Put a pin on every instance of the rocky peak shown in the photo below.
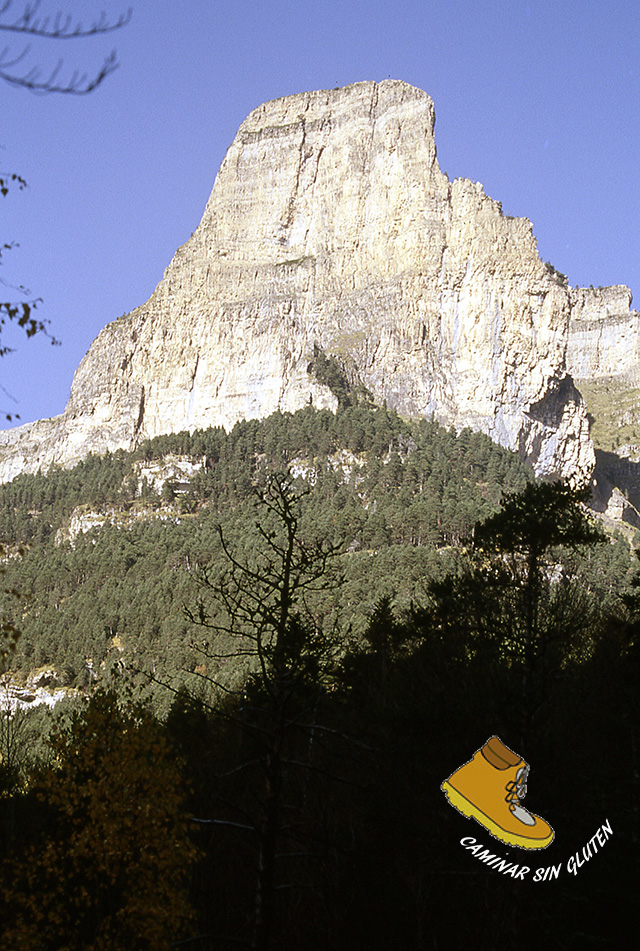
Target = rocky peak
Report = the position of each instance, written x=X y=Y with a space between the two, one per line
x=331 y=227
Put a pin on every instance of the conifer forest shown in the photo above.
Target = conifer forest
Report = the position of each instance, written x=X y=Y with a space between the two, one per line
x=274 y=645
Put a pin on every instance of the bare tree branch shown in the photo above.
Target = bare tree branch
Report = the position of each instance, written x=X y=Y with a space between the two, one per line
x=59 y=27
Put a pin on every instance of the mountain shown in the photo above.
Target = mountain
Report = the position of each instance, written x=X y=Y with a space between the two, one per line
x=332 y=240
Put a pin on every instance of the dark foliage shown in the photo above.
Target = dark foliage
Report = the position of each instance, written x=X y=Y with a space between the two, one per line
x=328 y=766
x=397 y=495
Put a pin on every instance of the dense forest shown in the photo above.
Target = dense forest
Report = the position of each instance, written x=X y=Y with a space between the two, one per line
x=399 y=497
x=282 y=655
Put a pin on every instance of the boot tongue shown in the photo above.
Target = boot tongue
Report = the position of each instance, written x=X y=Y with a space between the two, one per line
x=499 y=755
x=521 y=813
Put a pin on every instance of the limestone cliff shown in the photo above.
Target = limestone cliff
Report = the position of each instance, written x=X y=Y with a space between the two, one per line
x=331 y=225
x=604 y=333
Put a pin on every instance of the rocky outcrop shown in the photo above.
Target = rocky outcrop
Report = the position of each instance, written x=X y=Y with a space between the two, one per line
x=42 y=687
x=603 y=356
x=331 y=226
x=604 y=333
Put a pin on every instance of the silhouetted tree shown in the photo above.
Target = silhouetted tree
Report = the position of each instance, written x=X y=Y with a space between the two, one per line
x=514 y=598
x=263 y=614
x=522 y=538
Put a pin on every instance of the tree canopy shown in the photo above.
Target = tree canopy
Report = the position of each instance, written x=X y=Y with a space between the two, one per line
x=111 y=862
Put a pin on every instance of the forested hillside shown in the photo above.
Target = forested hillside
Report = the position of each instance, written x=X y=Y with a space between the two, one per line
x=289 y=637
x=397 y=497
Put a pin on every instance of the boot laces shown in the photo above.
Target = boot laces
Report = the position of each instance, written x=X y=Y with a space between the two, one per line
x=517 y=788
x=516 y=791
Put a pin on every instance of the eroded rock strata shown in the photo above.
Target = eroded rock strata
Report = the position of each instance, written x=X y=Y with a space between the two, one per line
x=331 y=225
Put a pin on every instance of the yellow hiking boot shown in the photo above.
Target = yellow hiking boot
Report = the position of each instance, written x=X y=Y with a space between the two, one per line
x=489 y=789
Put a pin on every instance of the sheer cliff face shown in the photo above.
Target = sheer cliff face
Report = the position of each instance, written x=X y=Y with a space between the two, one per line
x=330 y=223
x=604 y=334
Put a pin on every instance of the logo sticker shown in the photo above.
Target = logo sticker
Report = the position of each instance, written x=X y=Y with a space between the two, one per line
x=490 y=789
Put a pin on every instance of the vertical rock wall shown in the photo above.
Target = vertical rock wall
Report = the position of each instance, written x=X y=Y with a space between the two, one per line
x=330 y=224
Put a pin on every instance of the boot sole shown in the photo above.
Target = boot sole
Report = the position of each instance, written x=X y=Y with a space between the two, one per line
x=468 y=809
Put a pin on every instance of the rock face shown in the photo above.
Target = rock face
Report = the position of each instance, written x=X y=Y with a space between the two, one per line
x=604 y=333
x=331 y=225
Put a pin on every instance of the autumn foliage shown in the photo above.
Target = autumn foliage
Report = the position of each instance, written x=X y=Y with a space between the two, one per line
x=111 y=868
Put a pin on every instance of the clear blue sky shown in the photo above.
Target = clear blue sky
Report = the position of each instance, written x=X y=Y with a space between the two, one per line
x=537 y=99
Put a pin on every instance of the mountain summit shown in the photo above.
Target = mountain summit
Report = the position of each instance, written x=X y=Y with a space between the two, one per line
x=332 y=233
